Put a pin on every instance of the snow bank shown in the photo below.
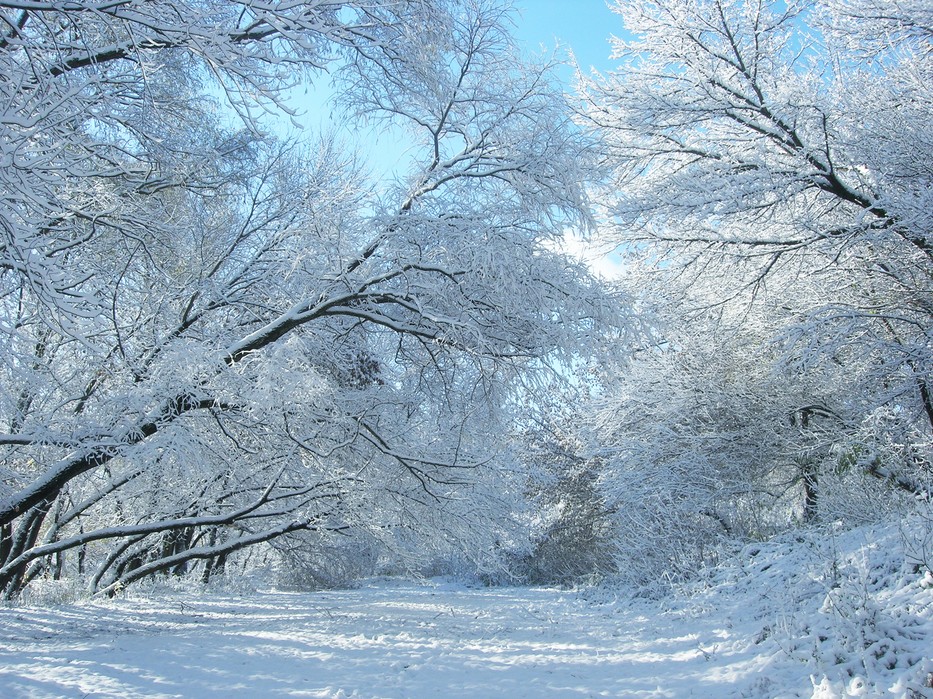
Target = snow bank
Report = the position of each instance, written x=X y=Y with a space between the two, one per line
x=852 y=611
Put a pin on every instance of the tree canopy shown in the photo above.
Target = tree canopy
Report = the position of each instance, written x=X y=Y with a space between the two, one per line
x=226 y=346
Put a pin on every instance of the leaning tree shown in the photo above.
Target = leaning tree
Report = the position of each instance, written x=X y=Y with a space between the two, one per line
x=214 y=338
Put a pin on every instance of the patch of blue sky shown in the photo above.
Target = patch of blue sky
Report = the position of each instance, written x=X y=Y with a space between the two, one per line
x=580 y=26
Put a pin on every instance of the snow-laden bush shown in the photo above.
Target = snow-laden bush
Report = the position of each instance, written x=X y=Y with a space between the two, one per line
x=853 y=606
x=53 y=593
x=305 y=564
x=572 y=537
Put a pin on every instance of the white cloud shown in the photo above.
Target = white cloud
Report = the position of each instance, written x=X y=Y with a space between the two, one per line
x=603 y=259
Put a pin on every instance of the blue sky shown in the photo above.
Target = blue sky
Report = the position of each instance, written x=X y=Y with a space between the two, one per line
x=582 y=25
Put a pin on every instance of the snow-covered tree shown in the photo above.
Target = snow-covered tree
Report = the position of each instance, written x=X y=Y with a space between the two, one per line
x=777 y=159
x=708 y=437
x=212 y=338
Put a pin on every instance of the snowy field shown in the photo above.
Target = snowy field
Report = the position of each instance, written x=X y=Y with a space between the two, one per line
x=784 y=621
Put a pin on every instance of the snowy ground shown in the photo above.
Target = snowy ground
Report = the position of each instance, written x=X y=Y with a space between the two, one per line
x=784 y=621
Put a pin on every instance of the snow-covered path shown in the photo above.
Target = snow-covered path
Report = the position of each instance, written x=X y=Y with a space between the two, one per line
x=382 y=641
x=819 y=616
